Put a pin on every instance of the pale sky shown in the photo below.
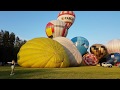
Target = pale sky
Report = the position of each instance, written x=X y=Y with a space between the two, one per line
x=96 y=26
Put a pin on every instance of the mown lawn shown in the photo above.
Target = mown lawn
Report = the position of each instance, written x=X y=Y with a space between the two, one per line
x=82 y=72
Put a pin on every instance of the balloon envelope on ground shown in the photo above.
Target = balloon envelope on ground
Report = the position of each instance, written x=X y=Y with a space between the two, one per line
x=43 y=53
x=99 y=50
x=74 y=55
x=113 y=58
x=89 y=59
x=81 y=43
x=113 y=46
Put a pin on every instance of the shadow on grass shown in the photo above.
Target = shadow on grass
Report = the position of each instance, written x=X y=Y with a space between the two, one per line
x=23 y=73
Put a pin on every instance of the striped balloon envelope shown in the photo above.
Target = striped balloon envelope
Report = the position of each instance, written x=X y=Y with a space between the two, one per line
x=56 y=28
x=42 y=52
x=67 y=16
x=113 y=46
x=89 y=60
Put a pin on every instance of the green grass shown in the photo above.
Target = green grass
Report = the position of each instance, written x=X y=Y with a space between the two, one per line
x=82 y=72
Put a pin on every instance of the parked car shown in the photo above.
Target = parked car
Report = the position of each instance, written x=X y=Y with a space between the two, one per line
x=105 y=64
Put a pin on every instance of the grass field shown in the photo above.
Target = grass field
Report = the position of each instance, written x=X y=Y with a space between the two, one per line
x=82 y=72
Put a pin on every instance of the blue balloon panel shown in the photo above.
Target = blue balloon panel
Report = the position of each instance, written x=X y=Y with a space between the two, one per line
x=113 y=58
x=81 y=43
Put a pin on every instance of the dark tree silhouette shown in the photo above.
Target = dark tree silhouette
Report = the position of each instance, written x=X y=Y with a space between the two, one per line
x=9 y=46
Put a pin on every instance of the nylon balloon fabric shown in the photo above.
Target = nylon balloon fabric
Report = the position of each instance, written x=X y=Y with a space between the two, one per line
x=56 y=28
x=67 y=16
x=74 y=55
x=81 y=43
x=89 y=60
x=114 y=59
x=42 y=53
x=99 y=50
x=113 y=46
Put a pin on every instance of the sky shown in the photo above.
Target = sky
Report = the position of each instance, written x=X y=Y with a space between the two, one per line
x=98 y=27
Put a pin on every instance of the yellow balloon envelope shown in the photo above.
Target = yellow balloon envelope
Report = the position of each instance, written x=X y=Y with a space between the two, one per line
x=42 y=53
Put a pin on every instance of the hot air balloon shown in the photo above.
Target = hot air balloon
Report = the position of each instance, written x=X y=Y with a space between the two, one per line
x=67 y=16
x=74 y=55
x=113 y=58
x=99 y=50
x=113 y=46
x=81 y=43
x=42 y=53
x=89 y=60
x=56 y=28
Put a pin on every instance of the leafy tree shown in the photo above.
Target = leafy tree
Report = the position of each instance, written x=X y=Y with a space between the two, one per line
x=12 y=39
x=9 y=46
x=1 y=47
x=6 y=38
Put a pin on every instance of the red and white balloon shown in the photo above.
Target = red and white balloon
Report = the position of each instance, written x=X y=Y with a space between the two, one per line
x=67 y=16
x=90 y=59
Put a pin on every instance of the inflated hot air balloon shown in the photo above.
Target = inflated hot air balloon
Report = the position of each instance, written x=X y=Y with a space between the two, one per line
x=81 y=43
x=99 y=50
x=89 y=60
x=113 y=58
x=113 y=46
x=74 y=55
x=42 y=53
x=67 y=16
x=56 y=28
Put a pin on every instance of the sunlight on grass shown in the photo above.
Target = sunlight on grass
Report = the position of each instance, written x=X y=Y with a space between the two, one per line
x=82 y=72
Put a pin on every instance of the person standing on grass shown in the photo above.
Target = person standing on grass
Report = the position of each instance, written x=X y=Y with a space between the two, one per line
x=12 y=67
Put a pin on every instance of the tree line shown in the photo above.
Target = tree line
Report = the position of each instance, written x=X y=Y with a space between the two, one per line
x=10 y=45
